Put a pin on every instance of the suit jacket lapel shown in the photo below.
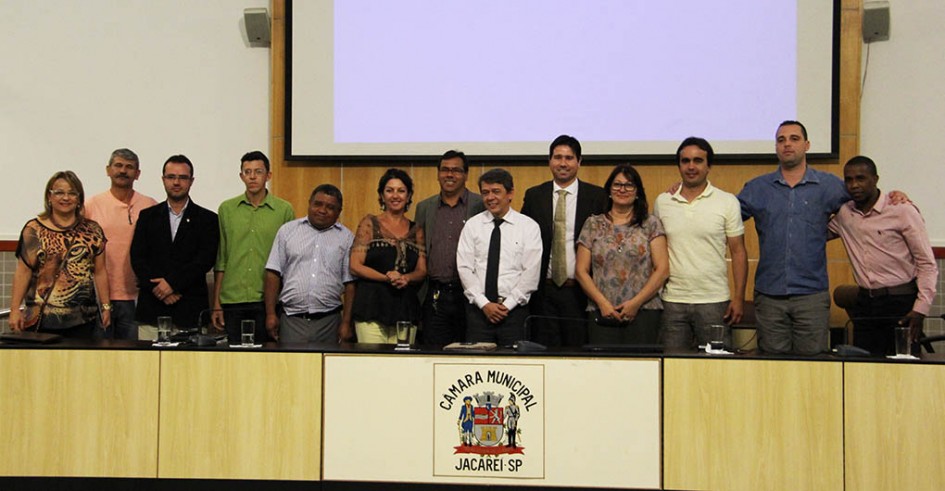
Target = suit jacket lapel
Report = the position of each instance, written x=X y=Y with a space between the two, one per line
x=548 y=208
x=164 y=225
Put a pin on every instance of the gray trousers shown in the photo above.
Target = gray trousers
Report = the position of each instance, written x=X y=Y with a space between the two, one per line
x=685 y=325
x=795 y=324
x=302 y=330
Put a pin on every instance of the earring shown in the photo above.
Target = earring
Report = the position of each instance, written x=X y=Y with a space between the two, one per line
x=383 y=207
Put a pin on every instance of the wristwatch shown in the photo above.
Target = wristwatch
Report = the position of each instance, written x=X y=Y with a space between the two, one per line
x=106 y=306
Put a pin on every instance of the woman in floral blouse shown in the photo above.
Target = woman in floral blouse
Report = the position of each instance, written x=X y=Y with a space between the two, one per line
x=622 y=262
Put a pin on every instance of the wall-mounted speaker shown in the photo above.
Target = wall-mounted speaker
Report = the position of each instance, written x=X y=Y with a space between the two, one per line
x=257 y=26
x=875 y=21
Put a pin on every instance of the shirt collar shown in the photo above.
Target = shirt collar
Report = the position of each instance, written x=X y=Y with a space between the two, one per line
x=877 y=208
x=510 y=216
x=709 y=188
x=810 y=176
x=264 y=202
x=570 y=188
x=304 y=221
x=462 y=198
x=182 y=210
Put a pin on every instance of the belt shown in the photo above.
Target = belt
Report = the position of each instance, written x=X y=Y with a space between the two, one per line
x=314 y=316
x=444 y=286
x=903 y=289
x=568 y=283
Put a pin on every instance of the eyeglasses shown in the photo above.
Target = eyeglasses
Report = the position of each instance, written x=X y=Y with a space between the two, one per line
x=59 y=194
x=625 y=186
x=174 y=177
x=452 y=170
x=257 y=172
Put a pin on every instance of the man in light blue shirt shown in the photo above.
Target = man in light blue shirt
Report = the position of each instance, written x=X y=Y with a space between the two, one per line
x=308 y=273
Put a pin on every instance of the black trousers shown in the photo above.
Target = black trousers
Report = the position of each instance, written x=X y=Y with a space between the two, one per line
x=562 y=302
x=444 y=314
x=505 y=333
x=875 y=319
x=235 y=313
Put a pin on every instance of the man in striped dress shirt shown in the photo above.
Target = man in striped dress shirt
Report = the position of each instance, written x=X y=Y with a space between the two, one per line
x=308 y=273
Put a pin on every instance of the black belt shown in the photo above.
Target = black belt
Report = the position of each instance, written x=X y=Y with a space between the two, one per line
x=451 y=286
x=568 y=283
x=909 y=288
x=314 y=316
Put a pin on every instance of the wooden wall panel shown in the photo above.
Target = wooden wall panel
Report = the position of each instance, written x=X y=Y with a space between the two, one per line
x=228 y=415
x=894 y=426
x=78 y=413
x=742 y=424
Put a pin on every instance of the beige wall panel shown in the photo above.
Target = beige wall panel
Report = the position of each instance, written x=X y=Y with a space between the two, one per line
x=851 y=42
x=227 y=415
x=752 y=424
x=894 y=426
x=841 y=273
x=851 y=4
x=83 y=413
x=359 y=186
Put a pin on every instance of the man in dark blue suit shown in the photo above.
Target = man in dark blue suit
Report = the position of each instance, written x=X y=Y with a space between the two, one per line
x=560 y=207
x=174 y=246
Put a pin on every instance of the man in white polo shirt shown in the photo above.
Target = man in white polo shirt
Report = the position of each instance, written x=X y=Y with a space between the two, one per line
x=700 y=221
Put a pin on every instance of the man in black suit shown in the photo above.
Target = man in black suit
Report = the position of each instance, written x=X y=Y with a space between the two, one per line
x=567 y=201
x=174 y=246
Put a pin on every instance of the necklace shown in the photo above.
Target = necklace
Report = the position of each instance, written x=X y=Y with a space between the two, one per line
x=624 y=218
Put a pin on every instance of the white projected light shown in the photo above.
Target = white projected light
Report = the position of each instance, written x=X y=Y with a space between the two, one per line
x=504 y=77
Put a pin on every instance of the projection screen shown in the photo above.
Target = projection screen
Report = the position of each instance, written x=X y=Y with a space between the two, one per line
x=501 y=78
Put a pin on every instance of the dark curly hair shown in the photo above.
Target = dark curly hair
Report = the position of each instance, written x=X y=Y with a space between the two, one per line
x=395 y=174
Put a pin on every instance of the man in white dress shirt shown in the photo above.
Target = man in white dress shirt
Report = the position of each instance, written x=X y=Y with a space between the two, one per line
x=499 y=264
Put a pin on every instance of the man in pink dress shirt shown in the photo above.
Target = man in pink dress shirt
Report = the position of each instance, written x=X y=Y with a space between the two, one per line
x=892 y=259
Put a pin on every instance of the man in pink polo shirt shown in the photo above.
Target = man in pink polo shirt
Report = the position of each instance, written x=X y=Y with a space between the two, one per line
x=892 y=259
x=116 y=210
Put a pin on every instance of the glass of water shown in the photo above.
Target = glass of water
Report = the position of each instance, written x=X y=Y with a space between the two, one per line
x=164 y=325
x=248 y=332
x=403 y=334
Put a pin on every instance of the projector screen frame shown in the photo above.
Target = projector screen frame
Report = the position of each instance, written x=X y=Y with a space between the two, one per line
x=591 y=159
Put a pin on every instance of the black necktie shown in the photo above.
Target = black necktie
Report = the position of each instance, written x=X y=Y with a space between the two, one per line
x=492 y=264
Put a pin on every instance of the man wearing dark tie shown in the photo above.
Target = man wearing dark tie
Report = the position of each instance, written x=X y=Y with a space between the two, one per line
x=560 y=206
x=498 y=259
x=174 y=246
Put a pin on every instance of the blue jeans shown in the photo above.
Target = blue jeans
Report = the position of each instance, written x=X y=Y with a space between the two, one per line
x=123 y=324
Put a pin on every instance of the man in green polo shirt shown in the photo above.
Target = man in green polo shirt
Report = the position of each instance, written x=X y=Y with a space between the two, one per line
x=248 y=225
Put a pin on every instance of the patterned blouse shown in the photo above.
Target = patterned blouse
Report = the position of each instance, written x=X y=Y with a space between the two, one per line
x=63 y=263
x=620 y=257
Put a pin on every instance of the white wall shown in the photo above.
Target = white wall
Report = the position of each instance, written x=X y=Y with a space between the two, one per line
x=81 y=78
x=903 y=111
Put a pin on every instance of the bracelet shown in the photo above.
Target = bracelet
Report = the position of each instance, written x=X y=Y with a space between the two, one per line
x=106 y=306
